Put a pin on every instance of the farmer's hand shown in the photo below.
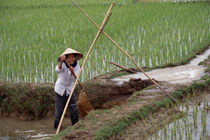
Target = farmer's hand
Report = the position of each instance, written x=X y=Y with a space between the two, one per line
x=71 y=68
x=63 y=57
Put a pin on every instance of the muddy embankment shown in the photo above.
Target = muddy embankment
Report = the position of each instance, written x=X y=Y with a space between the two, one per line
x=28 y=101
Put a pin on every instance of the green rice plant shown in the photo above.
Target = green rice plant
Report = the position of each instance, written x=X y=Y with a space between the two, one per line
x=172 y=134
x=193 y=93
x=190 y=126
x=203 y=120
x=151 y=119
x=190 y=137
x=145 y=134
x=204 y=101
x=34 y=34
x=174 y=131
x=143 y=120
x=187 y=104
x=156 y=136
x=195 y=117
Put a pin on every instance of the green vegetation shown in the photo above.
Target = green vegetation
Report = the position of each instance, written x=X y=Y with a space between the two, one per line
x=34 y=35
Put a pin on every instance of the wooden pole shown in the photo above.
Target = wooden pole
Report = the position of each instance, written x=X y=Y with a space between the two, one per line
x=99 y=32
x=74 y=75
x=125 y=53
x=122 y=67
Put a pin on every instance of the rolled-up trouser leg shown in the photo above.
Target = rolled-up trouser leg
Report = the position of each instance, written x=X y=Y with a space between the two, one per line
x=73 y=109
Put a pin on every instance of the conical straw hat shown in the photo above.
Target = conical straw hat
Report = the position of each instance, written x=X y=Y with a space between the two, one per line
x=71 y=51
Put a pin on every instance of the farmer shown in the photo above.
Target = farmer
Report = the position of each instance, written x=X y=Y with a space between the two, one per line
x=64 y=85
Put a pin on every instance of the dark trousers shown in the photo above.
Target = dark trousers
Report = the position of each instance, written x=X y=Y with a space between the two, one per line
x=60 y=102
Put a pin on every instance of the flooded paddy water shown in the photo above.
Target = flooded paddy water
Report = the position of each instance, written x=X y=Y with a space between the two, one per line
x=43 y=129
x=195 y=123
x=187 y=120
x=18 y=129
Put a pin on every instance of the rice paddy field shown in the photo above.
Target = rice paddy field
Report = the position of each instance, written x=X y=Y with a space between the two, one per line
x=189 y=119
x=33 y=34
x=194 y=124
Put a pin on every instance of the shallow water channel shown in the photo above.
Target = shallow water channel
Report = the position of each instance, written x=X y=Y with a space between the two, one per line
x=43 y=129
x=184 y=74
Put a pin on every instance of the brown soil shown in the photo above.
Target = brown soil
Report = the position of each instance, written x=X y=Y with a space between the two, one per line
x=28 y=101
x=100 y=119
x=104 y=93
x=79 y=135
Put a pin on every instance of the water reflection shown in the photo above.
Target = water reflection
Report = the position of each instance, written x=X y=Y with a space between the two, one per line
x=18 y=129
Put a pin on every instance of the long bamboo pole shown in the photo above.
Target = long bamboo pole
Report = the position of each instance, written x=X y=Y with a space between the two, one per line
x=125 y=53
x=99 y=32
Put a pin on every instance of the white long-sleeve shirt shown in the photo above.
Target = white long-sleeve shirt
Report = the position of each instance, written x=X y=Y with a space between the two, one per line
x=65 y=80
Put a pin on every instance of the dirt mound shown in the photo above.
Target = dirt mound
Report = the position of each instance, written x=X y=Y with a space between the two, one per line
x=28 y=101
x=105 y=93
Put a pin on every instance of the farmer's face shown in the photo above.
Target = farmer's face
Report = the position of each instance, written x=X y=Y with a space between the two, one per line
x=71 y=58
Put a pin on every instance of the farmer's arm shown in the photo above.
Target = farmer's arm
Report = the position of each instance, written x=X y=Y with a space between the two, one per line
x=59 y=67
